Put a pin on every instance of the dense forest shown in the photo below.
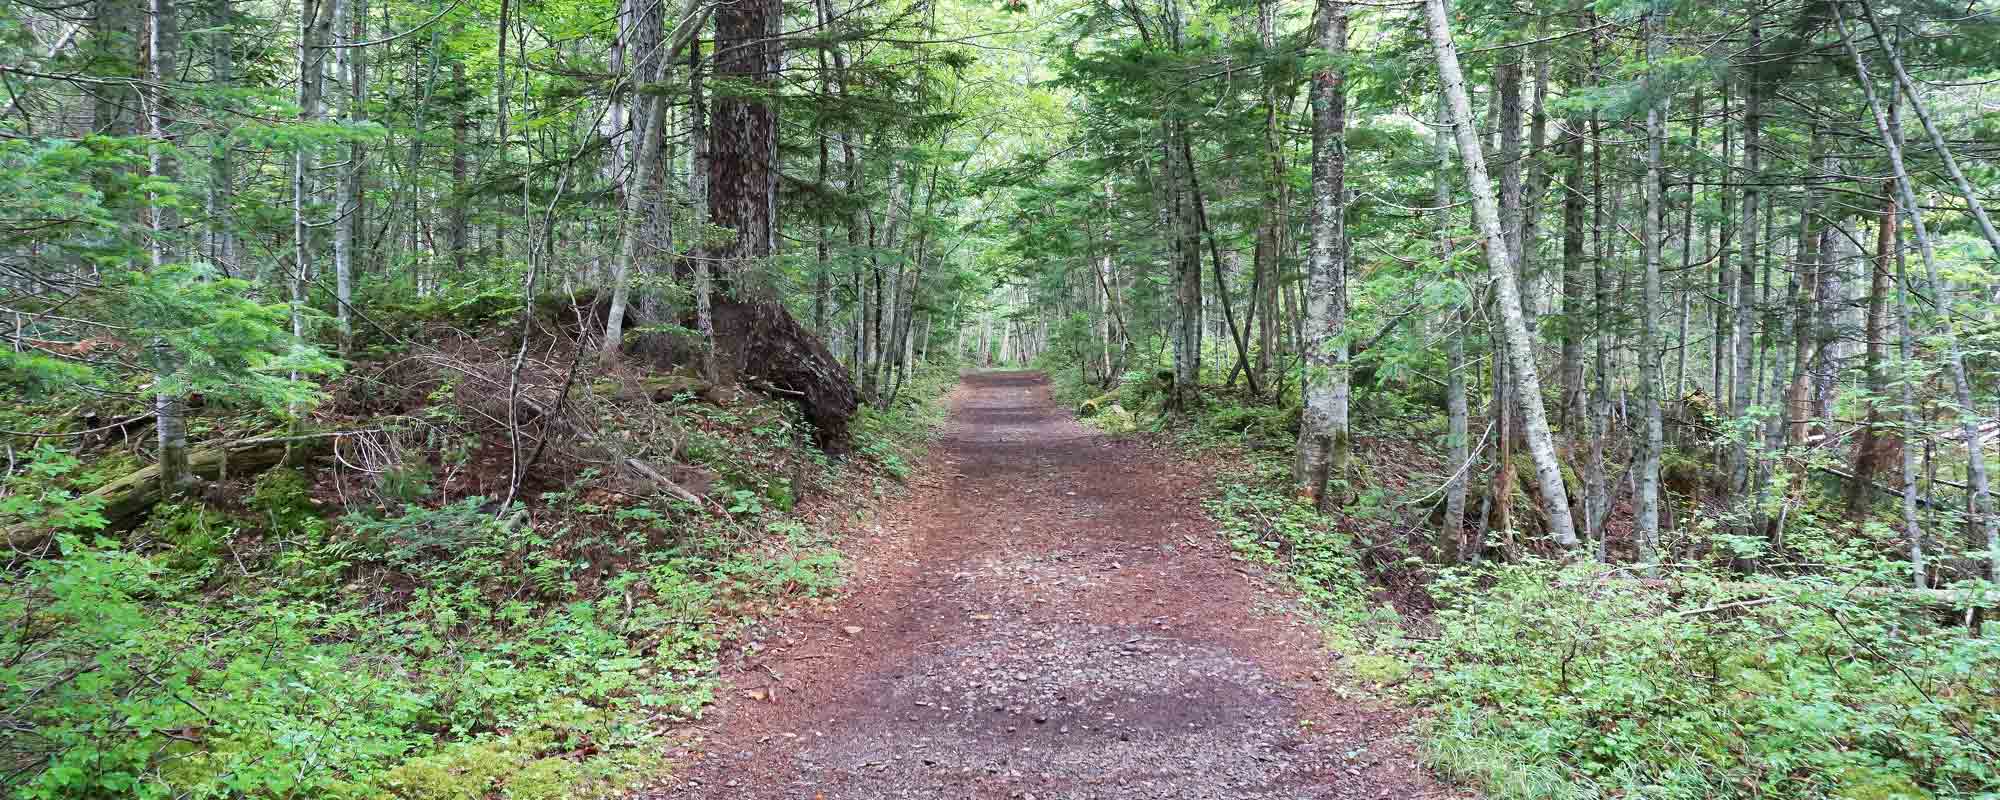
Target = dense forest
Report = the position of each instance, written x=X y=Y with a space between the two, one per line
x=435 y=398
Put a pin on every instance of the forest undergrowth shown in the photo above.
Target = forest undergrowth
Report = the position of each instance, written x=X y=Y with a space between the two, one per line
x=1543 y=677
x=375 y=620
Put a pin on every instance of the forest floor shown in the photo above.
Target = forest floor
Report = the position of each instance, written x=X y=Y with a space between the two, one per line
x=1048 y=614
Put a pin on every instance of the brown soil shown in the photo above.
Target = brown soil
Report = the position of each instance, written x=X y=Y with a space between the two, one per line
x=1050 y=614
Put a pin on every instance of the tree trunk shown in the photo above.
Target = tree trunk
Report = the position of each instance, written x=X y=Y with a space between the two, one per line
x=822 y=270
x=313 y=34
x=1323 y=436
x=698 y=198
x=1270 y=227
x=1187 y=277
x=162 y=49
x=461 y=190
x=1507 y=117
x=630 y=241
x=740 y=138
x=1573 y=318
x=1597 y=489
x=1982 y=510
x=221 y=167
x=1873 y=449
x=1457 y=410
x=114 y=41
x=352 y=66
x=1746 y=310
x=1906 y=355
x=1646 y=505
x=1216 y=261
x=1519 y=349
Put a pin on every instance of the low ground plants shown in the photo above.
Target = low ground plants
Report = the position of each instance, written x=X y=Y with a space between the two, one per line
x=431 y=650
x=1546 y=679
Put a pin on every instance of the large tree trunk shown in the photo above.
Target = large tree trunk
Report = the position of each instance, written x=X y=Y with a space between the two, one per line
x=740 y=138
x=1323 y=435
x=1519 y=349
x=754 y=335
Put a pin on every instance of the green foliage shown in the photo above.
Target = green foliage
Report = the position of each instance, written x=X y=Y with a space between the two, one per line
x=40 y=494
x=891 y=437
x=1573 y=682
x=446 y=650
x=1265 y=524
x=207 y=333
x=1260 y=422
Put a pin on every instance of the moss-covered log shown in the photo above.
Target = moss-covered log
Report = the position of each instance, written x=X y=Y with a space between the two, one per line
x=126 y=499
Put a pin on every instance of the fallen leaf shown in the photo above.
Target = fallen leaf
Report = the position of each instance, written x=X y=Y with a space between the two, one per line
x=851 y=630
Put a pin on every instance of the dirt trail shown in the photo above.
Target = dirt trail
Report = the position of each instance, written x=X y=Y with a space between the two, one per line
x=1048 y=615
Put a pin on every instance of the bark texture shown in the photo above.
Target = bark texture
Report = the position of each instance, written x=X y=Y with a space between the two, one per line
x=1519 y=349
x=1323 y=435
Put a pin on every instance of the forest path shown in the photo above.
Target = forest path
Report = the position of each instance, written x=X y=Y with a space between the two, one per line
x=1049 y=614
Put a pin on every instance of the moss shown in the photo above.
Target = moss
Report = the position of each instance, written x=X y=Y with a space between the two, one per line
x=1101 y=402
x=468 y=771
x=1116 y=419
x=1377 y=668
x=544 y=779
x=1873 y=783
x=779 y=492
x=661 y=388
x=281 y=493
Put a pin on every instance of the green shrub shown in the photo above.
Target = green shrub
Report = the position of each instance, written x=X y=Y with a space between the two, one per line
x=1266 y=423
x=453 y=651
x=1600 y=687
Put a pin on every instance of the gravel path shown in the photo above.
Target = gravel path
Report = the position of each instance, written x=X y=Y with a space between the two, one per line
x=1048 y=615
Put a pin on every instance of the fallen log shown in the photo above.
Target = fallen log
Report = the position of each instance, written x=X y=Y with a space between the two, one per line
x=126 y=499
x=665 y=483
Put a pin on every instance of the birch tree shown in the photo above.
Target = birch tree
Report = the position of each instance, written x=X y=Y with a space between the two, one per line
x=1519 y=348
